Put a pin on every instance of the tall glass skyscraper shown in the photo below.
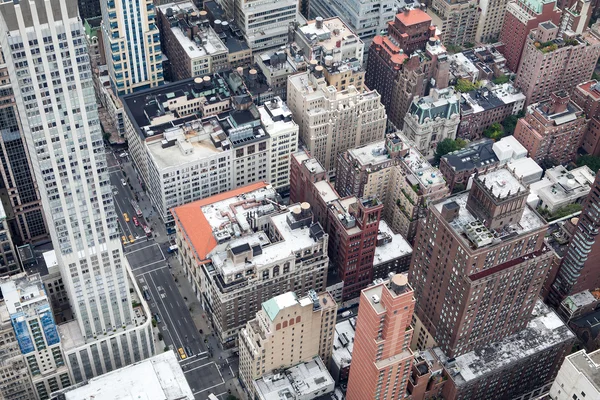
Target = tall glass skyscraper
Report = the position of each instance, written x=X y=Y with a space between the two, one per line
x=131 y=44
x=48 y=64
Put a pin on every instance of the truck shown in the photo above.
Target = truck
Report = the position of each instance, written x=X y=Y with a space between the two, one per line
x=136 y=207
x=148 y=231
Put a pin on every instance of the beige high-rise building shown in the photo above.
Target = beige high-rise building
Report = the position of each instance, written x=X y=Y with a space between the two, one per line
x=287 y=331
x=332 y=121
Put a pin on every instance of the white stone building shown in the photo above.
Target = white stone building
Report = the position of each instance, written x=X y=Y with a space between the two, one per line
x=59 y=116
x=578 y=377
x=333 y=121
x=432 y=119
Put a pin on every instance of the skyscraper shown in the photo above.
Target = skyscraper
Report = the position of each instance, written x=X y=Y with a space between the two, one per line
x=44 y=46
x=580 y=267
x=479 y=263
x=381 y=358
x=131 y=45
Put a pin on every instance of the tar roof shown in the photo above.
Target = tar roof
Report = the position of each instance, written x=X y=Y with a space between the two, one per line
x=193 y=223
x=477 y=154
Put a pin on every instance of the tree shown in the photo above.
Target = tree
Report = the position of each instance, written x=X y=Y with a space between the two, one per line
x=501 y=79
x=448 y=146
x=494 y=131
x=465 y=85
x=591 y=161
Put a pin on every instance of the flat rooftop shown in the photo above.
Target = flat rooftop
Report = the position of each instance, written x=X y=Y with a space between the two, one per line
x=588 y=364
x=369 y=154
x=156 y=378
x=543 y=332
x=591 y=88
x=304 y=380
x=501 y=182
x=343 y=342
x=427 y=175
x=578 y=300
x=22 y=290
x=396 y=248
x=570 y=114
x=333 y=31
x=477 y=154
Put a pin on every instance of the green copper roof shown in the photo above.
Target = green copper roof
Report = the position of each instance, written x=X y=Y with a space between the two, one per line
x=278 y=303
x=537 y=5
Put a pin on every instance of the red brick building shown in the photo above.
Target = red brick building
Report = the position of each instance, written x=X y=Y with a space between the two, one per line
x=520 y=18
x=552 y=130
x=587 y=96
x=478 y=265
x=400 y=63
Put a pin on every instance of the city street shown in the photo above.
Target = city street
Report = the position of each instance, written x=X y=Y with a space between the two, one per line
x=206 y=367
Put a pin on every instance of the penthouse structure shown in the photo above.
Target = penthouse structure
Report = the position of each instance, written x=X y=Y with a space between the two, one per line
x=458 y=20
x=278 y=65
x=189 y=41
x=481 y=108
x=565 y=187
x=432 y=119
x=520 y=18
x=381 y=345
x=552 y=129
x=332 y=121
x=291 y=331
x=332 y=44
x=570 y=56
x=240 y=248
x=496 y=265
x=348 y=220
x=184 y=157
x=403 y=63
x=587 y=96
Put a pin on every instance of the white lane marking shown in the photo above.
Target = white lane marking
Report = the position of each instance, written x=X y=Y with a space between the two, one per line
x=168 y=317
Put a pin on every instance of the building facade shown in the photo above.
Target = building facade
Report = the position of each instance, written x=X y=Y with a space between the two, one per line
x=310 y=321
x=382 y=358
x=578 y=270
x=332 y=121
x=520 y=18
x=587 y=96
x=571 y=58
x=232 y=267
x=457 y=19
x=432 y=119
x=89 y=8
x=491 y=248
x=552 y=130
x=27 y=306
x=578 y=377
x=131 y=45
x=490 y=20
x=66 y=147
x=20 y=195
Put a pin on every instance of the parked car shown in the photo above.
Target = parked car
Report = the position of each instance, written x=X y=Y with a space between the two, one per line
x=124 y=182
x=157 y=318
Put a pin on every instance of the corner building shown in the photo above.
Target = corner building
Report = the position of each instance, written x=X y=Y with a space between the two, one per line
x=479 y=263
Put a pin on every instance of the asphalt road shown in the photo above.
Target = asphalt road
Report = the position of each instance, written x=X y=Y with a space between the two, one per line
x=149 y=261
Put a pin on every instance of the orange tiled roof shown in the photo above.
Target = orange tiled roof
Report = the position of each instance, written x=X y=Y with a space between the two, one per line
x=197 y=230
x=412 y=17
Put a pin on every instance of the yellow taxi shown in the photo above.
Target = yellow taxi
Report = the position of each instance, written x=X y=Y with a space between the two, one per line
x=182 y=353
x=124 y=239
x=131 y=239
x=126 y=217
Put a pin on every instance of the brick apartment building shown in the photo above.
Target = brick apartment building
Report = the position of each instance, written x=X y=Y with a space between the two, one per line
x=400 y=64
x=520 y=18
x=553 y=129
x=353 y=225
x=457 y=167
x=587 y=96
x=553 y=61
x=484 y=252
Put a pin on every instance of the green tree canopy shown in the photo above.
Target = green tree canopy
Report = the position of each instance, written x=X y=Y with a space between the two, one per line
x=447 y=146
x=494 y=131
x=501 y=79
x=465 y=85
x=589 y=160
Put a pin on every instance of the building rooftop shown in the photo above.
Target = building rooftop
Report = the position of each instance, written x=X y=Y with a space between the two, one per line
x=501 y=182
x=183 y=17
x=413 y=16
x=592 y=88
x=578 y=300
x=393 y=245
x=587 y=364
x=442 y=103
x=543 y=332
x=567 y=184
x=304 y=380
x=509 y=148
x=157 y=378
x=370 y=154
x=524 y=167
x=333 y=30
x=558 y=116
x=275 y=115
x=343 y=342
x=490 y=97
x=427 y=175
x=476 y=155
x=22 y=290
x=272 y=306
x=281 y=62
x=311 y=91
x=231 y=35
